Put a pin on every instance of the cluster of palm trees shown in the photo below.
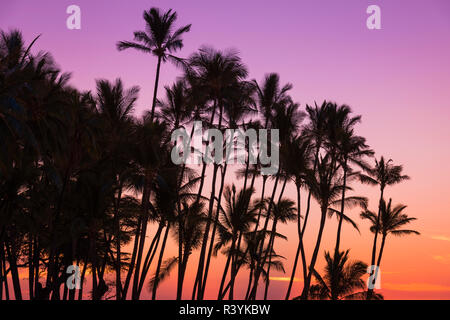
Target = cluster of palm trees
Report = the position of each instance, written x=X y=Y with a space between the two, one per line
x=85 y=182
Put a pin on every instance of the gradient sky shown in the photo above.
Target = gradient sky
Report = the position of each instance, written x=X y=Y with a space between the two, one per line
x=397 y=78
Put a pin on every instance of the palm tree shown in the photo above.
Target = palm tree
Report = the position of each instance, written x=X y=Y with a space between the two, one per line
x=283 y=211
x=217 y=74
x=158 y=39
x=287 y=119
x=176 y=108
x=350 y=149
x=269 y=95
x=115 y=105
x=325 y=188
x=149 y=153
x=297 y=161
x=391 y=220
x=383 y=174
x=341 y=279
x=237 y=106
x=191 y=223
x=168 y=196
x=315 y=131
x=235 y=223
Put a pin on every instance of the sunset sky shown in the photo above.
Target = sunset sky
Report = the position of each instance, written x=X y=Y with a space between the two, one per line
x=397 y=78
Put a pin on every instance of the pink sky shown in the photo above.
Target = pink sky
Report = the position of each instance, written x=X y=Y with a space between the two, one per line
x=397 y=78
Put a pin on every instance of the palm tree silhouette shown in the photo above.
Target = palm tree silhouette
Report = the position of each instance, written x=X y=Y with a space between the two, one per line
x=283 y=211
x=235 y=221
x=349 y=148
x=115 y=106
x=217 y=74
x=297 y=161
x=158 y=39
x=286 y=117
x=383 y=174
x=390 y=221
x=325 y=188
x=341 y=278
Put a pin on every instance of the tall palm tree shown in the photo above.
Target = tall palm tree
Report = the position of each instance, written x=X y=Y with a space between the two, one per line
x=236 y=220
x=297 y=161
x=286 y=118
x=191 y=223
x=283 y=211
x=158 y=39
x=325 y=188
x=150 y=152
x=391 y=220
x=115 y=105
x=238 y=105
x=350 y=149
x=217 y=74
x=176 y=108
x=315 y=131
x=269 y=95
x=167 y=197
x=384 y=174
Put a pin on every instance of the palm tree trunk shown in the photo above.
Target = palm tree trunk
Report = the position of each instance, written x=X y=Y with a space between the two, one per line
x=149 y=257
x=1 y=276
x=133 y=259
x=247 y=164
x=202 y=176
x=199 y=277
x=227 y=266
x=259 y=263
x=117 y=235
x=5 y=273
x=211 y=244
x=155 y=91
x=30 y=267
x=234 y=268
x=383 y=239
x=183 y=273
x=252 y=265
x=36 y=264
x=341 y=217
x=180 y=251
x=300 y=247
x=158 y=268
x=93 y=266
x=145 y=201
x=307 y=284
x=250 y=281
x=308 y=204
x=12 y=260
x=375 y=238
x=205 y=238
x=271 y=244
